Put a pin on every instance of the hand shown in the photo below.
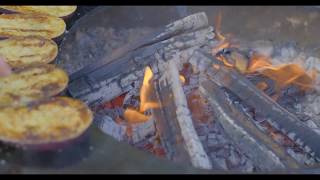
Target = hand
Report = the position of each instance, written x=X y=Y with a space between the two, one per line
x=4 y=68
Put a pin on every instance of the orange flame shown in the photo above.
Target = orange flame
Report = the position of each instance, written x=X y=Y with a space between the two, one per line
x=182 y=79
x=258 y=61
x=145 y=92
x=218 y=27
x=284 y=74
x=133 y=116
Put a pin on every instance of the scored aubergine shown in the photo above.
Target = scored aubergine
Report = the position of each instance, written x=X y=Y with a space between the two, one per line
x=24 y=51
x=58 y=11
x=31 y=25
x=31 y=83
x=49 y=121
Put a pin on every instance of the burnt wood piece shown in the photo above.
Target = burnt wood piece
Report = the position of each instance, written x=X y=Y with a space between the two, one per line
x=184 y=25
x=279 y=117
x=174 y=121
x=117 y=76
x=256 y=144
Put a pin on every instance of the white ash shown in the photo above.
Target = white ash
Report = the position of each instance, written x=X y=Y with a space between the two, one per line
x=126 y=81
x=142 y=131
x=110 y=127
x=108 y=91
x=263 y=47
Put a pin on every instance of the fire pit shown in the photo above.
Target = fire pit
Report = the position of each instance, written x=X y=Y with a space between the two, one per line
x=189 y=93
x=205 y=99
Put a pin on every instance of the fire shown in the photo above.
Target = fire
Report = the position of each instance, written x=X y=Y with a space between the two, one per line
x=218 y=27
x=287 y=74
x=182 y=79
x=258 y=61
x=134 y=116
x=224 y=41
x=145 y=92
x=283 y=75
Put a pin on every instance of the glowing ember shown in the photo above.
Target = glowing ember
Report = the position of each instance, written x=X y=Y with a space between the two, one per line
x=133 y=116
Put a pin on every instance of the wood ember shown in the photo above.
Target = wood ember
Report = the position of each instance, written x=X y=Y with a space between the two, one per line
x=216 y=143
x=109 y=118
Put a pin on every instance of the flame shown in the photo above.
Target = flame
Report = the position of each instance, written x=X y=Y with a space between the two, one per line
x=258 y=61
x=222 y=45
x=182 y=79
x=224 y=41
x=287 y=74
x=284 y=74
x=218 y=27
x=145 y=91
x=133 y=116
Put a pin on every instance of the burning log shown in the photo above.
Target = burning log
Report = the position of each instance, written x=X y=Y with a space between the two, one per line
x=174 y=121
x=264 y=105
x=102 y=82
x=257 y=145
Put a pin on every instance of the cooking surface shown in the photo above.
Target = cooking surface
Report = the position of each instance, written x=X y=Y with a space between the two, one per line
x=98 y=152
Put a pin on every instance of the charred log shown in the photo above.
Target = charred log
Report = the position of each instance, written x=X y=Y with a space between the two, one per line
x=283 y=120
x=117 y=76
x=257 y=145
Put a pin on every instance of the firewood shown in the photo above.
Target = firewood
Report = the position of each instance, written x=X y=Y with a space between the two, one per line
x=257 y=145
x=263 y=104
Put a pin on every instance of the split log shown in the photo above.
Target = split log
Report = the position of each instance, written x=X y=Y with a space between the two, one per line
x=174 y=121
x=263 y=104
x=258 y=146
x=188 y=24
x=117 y=76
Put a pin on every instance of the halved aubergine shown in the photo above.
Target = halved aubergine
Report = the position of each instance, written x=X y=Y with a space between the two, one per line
x=25 y=51
x=31 y=25
x=31 y=83
x=57 y=11
x=48 y=122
